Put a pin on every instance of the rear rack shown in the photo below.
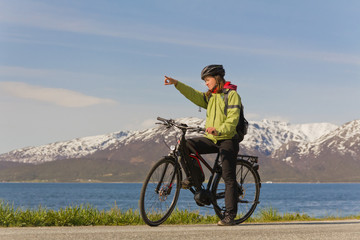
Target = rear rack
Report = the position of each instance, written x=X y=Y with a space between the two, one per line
x=248 y=158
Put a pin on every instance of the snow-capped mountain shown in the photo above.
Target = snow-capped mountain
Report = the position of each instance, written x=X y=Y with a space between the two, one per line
x=267 y=136
x=334 y=157
x=76 y=148
x=291 y=153
x=263 y=137
x=344 y=140
x=87 y=146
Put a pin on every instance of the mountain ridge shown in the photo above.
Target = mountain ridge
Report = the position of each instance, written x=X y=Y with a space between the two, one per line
x=319 y=152
x=81 y=147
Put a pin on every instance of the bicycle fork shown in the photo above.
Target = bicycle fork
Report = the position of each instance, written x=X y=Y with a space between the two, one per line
x=163 y=190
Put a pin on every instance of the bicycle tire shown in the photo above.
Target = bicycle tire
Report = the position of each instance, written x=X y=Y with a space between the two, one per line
x=160 y=191
x=248 y=190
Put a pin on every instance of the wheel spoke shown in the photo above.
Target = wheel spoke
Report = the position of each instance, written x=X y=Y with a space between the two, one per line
x=248 y=190
x=160 y=192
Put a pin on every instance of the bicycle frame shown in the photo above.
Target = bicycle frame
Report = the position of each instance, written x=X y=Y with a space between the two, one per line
x=179 y=150
x=213 y=170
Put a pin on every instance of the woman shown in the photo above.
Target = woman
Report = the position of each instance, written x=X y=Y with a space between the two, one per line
x=220 y=128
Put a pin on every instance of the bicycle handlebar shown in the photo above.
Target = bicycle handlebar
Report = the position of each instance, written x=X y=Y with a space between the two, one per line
x=162 y=119
x=172 y=123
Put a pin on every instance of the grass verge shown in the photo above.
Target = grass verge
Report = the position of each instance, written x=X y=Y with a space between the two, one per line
x=86 y=215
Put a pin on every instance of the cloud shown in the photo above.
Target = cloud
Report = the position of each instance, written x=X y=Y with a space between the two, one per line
x=253 y=116
x=277 y=118
x=18 y=72
x=57 y=96
x=148 y=123
x=44 y=16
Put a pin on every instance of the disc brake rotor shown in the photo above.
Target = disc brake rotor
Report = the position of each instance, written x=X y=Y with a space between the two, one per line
x=164 y=192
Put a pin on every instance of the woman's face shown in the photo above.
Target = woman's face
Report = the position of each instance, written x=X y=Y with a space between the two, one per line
x=210 y=82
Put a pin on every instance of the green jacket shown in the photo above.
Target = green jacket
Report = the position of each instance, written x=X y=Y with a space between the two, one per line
x=215 y=115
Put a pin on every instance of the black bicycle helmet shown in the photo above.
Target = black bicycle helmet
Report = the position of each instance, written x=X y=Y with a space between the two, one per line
x=212 y=70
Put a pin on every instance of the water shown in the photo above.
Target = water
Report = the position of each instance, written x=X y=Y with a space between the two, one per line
x=316 y=200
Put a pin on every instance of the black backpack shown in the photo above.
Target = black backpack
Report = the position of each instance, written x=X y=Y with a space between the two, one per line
x=243 y=124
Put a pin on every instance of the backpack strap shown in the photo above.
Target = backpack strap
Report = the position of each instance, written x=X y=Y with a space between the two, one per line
x=206 y=99
x=226 y=100
x=242 y=125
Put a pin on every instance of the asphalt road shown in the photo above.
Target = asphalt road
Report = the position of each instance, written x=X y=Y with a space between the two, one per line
x=329 y=230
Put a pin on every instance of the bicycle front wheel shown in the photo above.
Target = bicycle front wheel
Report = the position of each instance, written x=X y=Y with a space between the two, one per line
x=248 y=182
x=160 y=191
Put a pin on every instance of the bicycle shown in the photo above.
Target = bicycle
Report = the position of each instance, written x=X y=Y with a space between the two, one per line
x=161 y=188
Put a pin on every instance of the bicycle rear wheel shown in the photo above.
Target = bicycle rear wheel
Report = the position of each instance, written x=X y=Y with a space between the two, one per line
x=160 y=191
x=248 y=192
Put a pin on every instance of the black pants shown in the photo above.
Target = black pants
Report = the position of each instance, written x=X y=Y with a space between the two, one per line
x=228 y=150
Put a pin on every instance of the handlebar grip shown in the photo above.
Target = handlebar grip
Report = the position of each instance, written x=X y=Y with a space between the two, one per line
x=161 y=119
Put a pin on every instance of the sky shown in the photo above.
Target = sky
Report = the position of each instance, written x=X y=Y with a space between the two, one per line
x=72 y=69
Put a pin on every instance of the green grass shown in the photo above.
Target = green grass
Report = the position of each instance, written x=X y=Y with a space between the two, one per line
x=86 y=215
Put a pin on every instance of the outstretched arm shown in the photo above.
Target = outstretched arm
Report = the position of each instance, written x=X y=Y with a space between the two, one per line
x=193 y=95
